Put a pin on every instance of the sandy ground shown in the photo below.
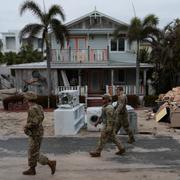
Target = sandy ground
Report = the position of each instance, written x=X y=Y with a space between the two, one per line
x=12 y=123
x=79 y=165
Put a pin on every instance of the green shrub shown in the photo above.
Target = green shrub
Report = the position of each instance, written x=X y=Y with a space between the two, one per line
x=149 y=101
x=12 y=100
x=41 y=100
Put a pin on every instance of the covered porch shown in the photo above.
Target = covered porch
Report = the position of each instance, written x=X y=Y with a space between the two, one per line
x=100 y=81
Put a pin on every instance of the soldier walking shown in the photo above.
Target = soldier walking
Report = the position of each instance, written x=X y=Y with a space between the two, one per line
x=108 y=133
x=121 y=115
x=34 y=130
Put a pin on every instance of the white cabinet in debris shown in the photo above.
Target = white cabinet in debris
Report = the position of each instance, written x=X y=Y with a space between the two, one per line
x=69 y=121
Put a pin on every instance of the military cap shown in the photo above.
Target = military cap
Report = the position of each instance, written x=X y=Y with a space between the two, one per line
x=106 y=96
x=29 y=95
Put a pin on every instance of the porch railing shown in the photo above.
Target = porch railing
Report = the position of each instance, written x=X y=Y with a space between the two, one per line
x=88 y=55
x=83 y=90
x=128 y=89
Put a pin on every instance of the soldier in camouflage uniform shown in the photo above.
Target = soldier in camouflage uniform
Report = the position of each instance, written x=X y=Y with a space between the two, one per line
x=121 y=114
x=108 y=133
x=34 y=130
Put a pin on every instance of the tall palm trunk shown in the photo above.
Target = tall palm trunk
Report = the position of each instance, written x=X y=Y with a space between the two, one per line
x=137 y=68
x=48 y=68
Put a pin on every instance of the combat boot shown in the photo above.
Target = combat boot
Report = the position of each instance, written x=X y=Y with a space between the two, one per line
x=30 y=171
x=95 y=154
x=52 y=165
x=131 y=140
x=120 y=152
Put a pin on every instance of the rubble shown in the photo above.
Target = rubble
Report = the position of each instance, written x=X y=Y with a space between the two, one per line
x=171 y=101
x=172 y=95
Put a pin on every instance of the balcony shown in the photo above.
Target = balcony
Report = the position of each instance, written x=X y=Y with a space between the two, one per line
x=89 y=56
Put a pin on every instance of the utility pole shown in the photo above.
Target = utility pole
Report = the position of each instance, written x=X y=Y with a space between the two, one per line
x=134 y=10
x=137 y=58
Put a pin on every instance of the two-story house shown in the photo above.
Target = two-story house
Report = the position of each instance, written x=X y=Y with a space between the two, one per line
x=92 y=58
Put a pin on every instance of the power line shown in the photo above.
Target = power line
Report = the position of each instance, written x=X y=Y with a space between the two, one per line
x=44 y=6
x=134 y=10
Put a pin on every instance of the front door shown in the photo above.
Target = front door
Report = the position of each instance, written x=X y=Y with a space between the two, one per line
x=95 y=81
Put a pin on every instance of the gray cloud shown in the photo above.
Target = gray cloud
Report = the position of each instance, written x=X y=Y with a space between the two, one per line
x=166 y=10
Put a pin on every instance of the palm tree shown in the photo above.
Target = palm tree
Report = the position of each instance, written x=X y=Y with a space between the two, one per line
x=48 y=23
x=139 y=30
x=1 y=45
x=165 y=55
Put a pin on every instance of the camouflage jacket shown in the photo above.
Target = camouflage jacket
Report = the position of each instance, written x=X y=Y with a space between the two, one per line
x=108 y=116
x=34 y=121
x=121 y=104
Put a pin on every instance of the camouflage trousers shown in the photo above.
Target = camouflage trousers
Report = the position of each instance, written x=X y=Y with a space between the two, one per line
x=108 y=136
x=34 y=155
x=122 y=121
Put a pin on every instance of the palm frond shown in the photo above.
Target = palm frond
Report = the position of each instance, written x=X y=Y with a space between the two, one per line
x=33 y=7
x=60 y=31
x=151 y=20
x=167 y=26
x=149 y=30
x=30 y=30
x=135 y=28
x=56 y=10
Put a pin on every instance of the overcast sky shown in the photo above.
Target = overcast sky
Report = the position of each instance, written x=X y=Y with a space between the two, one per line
x=166 y=10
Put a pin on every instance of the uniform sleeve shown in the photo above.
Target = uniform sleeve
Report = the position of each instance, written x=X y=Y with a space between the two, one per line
x=34 y=117
x=110 y=117
x=121 y=104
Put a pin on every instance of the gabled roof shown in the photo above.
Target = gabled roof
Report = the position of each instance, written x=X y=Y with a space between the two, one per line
x=99 y=14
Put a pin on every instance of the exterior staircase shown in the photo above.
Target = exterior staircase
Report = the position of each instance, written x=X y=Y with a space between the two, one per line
x=93 y=101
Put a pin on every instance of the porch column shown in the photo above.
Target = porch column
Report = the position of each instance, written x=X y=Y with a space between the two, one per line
x=144 y=80
x=55 y=81
x=112 y=81
x=79 y=80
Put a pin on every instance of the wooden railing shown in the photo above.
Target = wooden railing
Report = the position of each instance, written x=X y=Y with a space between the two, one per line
x=83 y=90
x=128 y=89
x=88 y=55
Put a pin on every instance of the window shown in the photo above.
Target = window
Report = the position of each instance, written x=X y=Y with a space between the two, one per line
x=113 y=45
x=118 y=45
x=121 y=45
x=77 y=43
x=72 y=43
x=11 y=43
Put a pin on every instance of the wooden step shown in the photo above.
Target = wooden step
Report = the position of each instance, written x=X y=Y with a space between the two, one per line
x=94 y=101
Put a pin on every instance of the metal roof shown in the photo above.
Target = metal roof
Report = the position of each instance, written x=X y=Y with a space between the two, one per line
x=115 y=65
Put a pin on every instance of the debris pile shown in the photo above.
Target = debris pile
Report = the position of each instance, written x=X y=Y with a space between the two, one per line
x=171 y=96
x=169 y=111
